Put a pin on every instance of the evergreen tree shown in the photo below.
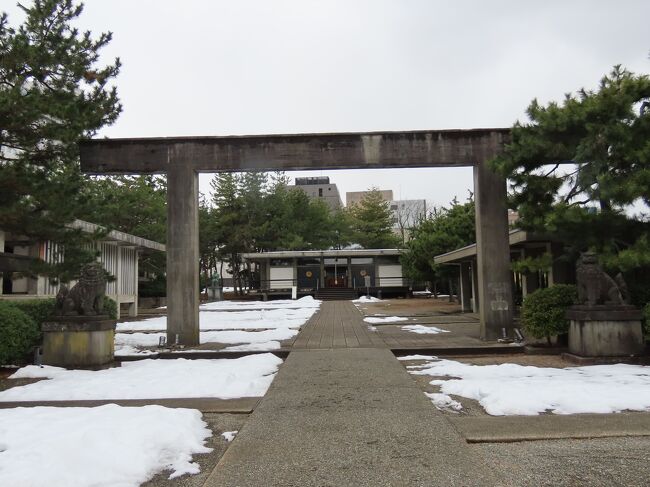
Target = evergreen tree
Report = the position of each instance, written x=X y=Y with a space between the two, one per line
x=52 y=95
x=230 y=223
x=371 y=222
x=604 y=136
x=130 y=204
x=445 y=230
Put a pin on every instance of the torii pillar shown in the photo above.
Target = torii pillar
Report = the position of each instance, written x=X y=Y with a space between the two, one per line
x=182 y=158
x=182 y=252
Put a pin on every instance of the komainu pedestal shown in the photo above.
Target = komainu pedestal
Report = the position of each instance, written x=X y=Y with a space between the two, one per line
x=79 y=341
x=603 y=324
x=80 y=334
x=605 y=331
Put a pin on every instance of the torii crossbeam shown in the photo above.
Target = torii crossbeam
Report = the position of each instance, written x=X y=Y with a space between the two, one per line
x=182 y=158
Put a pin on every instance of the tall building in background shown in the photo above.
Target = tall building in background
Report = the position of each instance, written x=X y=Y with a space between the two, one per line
x=406 y=214
x=321 y=188
x=354 y=197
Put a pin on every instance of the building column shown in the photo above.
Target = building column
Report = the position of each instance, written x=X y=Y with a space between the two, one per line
x=551 y=274
x=493 y=253
x=182 y=253
x=475 y=305
x=350 y=272
x=465 y=287
x=133 y=307
x=322 y=272
x=118 y=279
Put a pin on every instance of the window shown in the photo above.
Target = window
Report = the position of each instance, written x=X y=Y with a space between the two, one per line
x=320 y=192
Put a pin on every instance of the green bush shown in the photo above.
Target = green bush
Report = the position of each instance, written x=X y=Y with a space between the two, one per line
x=19 y=334
x=542 y=312
x=155 y=288
x=110 y=308
x=37 y=309
x=646 y=320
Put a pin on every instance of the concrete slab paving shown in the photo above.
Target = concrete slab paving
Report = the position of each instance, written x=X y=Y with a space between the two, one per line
x=551 y=426
x=344 y=417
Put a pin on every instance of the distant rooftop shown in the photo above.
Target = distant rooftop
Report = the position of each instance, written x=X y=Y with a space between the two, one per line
x=286 y=254
x=312 y=181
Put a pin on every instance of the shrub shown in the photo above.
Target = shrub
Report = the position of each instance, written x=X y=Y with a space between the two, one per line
x=110 y=308
x=37 y=309
x=19 y=334
x=155 y=288
x=542 y=312
x=646 y=320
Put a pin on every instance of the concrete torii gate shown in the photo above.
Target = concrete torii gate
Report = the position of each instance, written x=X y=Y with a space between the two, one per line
x=182 y=158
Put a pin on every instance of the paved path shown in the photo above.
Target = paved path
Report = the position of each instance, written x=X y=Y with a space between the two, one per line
x=338 y=324
x=345 y=415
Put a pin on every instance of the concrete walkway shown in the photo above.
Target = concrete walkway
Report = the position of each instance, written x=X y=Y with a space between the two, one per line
x=340 y=416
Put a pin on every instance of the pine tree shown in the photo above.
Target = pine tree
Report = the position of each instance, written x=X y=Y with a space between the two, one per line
x=371 y=220
x=131 y=204
x=52 y=95
x=446 y=229
x=604 y=135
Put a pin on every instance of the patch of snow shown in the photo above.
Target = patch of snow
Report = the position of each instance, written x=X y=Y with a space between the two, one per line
x=304 y=302
x=367 y=299
x=126 y=350
x=444 y=402
x=372 y=328
x=102 y=446
x=257 y=347
x=384 y=319
x=248 y=376
x=230 y=320
x=229 y=435
x=424 y=330
x=227 y=337
x=417 y=357
x=511 y=389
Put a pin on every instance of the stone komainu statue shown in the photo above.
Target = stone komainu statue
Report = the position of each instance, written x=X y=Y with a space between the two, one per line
x=87 y=296
x=595 y=286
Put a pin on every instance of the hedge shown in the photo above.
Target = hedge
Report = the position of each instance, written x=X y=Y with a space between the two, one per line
x=19 y=334
x=37 y=309
x=542 y=312
x=110 y=308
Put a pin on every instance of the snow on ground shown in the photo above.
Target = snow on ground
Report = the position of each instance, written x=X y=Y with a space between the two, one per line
x=384 y=319
x=230 y=320
x=124 y=350
x=444 y=402
x=227 y=337
x=248 y=376
x=511 y=389
x=254 y=347
x=367 y=299
x=280 y=320
x=103 y=446
x=304 y=302
x=424 y=330
x=229 y=435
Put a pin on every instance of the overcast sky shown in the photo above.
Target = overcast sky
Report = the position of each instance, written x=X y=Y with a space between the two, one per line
x=208 y=67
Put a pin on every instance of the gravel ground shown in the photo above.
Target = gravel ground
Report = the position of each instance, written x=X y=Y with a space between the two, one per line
x=571 y=463
x=218 y=423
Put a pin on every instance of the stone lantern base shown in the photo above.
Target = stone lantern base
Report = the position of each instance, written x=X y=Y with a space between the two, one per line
x=605 y=331
x=78 y=341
